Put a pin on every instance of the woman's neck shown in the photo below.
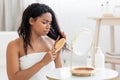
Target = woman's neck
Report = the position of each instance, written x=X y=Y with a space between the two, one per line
x=35 y=38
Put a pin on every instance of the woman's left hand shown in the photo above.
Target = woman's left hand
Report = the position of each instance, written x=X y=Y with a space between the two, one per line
x=63 y=34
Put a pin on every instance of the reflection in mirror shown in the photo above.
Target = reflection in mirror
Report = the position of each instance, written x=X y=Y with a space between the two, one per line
x=81 y=42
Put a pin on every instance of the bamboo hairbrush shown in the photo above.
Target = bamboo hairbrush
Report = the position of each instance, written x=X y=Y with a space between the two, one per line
x=59 y=44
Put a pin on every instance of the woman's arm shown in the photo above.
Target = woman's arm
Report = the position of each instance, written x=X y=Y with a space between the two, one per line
x=13 y=67
x=58 y=63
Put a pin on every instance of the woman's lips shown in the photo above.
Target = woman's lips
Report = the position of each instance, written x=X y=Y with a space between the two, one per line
x=46 y=31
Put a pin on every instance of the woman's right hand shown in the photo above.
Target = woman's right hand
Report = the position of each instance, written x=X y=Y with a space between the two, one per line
x=50 y=56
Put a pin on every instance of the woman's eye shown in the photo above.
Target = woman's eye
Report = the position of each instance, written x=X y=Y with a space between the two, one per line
x=49 y=23
x=44 y=22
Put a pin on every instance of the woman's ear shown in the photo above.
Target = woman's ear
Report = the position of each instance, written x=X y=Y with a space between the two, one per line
x=31 y=21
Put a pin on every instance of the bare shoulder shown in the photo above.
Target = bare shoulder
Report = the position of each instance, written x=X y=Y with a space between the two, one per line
x=14 y=43
x=13 y=46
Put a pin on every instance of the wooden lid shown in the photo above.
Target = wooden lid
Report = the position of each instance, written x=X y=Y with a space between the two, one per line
x=83 y=71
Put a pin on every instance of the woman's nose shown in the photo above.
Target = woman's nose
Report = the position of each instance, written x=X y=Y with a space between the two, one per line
x=48 y=26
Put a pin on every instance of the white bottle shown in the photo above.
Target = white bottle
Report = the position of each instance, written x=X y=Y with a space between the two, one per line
x=89 y=60
x=102 y=10
x=99 y=59
x=89 y=56
x=107 y=7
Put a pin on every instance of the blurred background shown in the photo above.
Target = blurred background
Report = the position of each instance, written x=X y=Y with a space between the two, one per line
x=72 y=15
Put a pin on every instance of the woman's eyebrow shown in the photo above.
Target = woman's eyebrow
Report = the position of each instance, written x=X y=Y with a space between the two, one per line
x=46 y=20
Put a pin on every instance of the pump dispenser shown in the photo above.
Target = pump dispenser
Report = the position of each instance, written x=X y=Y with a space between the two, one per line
x=99 y=59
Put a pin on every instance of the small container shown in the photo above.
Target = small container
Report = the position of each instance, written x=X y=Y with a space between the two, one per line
x=117 y=11
x=99 y=59
x=107 y=11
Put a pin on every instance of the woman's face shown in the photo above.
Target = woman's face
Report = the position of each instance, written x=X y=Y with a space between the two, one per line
x=41 y=25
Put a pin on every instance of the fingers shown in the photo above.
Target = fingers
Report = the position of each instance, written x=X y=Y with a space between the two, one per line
x=57 y=38
x=63 y=34
x=53 y=54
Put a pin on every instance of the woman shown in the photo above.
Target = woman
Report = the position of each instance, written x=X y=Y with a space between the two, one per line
x=31 y=55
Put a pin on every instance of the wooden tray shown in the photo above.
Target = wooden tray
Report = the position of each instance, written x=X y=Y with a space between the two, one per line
x=83 y=71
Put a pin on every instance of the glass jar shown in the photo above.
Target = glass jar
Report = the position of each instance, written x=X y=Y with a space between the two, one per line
x=116 y=12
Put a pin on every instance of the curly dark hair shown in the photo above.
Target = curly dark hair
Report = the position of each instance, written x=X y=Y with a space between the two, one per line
x=35 y=10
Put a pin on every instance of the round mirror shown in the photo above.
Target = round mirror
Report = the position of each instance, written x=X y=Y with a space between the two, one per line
x=82 y=41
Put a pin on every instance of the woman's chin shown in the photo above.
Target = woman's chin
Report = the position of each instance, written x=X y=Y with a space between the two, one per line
x=44 y=34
